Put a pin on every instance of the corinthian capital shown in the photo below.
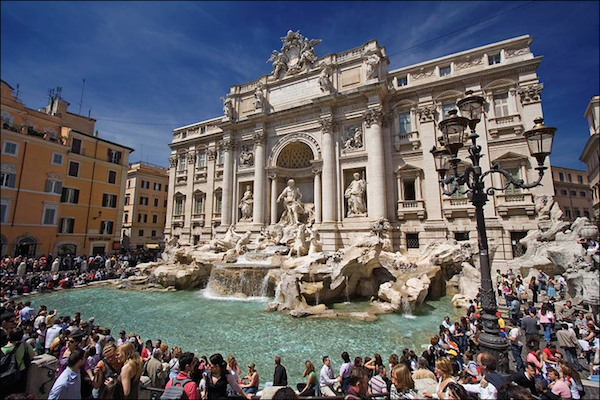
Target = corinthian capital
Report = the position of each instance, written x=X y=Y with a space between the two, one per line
x=373 y=116
x=326 y=125
x=173 y=161
x=530 y=94
x=227 y=144
x=259 y=137
x=426 y=114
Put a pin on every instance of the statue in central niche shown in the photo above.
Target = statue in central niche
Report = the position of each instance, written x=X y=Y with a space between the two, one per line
x=246 y=205
x=355 y=193
x=291 y=201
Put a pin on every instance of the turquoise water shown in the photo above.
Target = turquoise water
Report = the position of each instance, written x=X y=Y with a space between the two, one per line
x=206 y=326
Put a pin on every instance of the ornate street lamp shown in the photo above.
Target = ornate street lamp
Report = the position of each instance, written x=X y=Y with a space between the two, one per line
x=454 y=137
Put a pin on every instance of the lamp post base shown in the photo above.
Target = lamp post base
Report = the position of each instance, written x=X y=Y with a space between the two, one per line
x=493 y=343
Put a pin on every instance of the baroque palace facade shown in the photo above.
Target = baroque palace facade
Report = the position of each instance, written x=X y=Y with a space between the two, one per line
x=356 y=137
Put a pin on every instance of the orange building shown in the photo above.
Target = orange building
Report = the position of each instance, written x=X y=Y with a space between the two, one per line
x=145 y=211
x=62 y=188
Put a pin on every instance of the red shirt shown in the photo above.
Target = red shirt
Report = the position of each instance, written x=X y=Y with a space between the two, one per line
x=548 y=353
x=191 y=389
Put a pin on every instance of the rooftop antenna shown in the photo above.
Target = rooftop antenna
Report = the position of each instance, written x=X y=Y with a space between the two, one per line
x=81 y=101
x=18 y=90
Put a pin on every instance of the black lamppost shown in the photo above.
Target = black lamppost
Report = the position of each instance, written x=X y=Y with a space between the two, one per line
x=454 y=137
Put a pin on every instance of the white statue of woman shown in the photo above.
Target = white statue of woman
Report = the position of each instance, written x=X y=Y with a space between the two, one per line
x=373 y=61
x=355 y=195
x=227 y=106
x=246 y=205
x=291 y=200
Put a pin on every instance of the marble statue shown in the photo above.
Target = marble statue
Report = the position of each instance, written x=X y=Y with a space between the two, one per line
x=291 y=197
x=246 y=205
x=231 y=240
x=354 y=139
x=355 y=193
x=297 y=53
x=259 y=97
x=373 y=60
x=316 y=245
x=246 y=157
x=325 y=79
x=279 y=63
x=301 y=245
x=227 y=106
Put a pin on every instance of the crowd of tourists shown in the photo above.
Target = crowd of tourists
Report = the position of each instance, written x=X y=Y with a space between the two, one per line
x=22 y=275
x=551 y=347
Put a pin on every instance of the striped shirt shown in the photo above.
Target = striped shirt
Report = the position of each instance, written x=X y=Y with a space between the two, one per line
x=377 y=386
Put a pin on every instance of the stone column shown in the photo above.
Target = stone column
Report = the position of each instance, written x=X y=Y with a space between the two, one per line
x=428 y=134
x=329 y=175
x=317 y=195
x=418 y=186
x=274 y=195
x=258 y=212
x=376 y=190
x=227 y=145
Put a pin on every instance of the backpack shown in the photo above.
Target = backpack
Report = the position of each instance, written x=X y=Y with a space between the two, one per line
x=9 y=367
x=176 y=391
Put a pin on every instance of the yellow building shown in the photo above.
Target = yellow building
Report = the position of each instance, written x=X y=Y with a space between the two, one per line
x=572 y=192
x=62 y=186
x=145 y=210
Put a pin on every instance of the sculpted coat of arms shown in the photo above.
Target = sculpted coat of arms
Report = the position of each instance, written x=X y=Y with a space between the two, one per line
x=297 y=53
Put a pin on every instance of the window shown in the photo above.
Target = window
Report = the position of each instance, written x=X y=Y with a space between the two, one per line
x=8 y=179
x=573 y=193
x=446 y=108
x=494 y=59
x=157 y=186
x=127 y=199
x=70 y=195
x=404 y=123
x=128 y=183
x=141 y=232
x=179 y=201
x=57 y=159
x=516 y=174
x=402 y=81
x=409 y=190
x=145 y=218
x=66 y=225
x=114 y=156
x=200 y=159
x=580 y=179
x=563 y=192
x=143 y=200
x=218 y=200
x=165 y=203
x=221 y=156
x=155 y=202
x=198 y=204
x=582 y=194
x=586 y=212
x=76 y=146
x=412 y=240
x=445 y=71
x=145 y=184
x=139 y=217
x=49 y=216
x=181 y=163
x=561 y=177
x=109 y=200
x=568 y=213
x=106 y=227
x=53 y=186
x=196 y=239
x=461 y=236
x=569 y=176
x=501 y=105
x=154 y=220
x=577 y=213
x=126 y=217
x=73 y=168
x=167 y=187
x=10 y=148
x=112 y=177
x=153 y=233
x=4 y=207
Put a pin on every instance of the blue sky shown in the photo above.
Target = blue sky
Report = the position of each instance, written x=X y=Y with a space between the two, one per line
x=153 y=66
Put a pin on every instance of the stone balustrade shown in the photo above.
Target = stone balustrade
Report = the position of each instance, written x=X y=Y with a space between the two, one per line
x=515 y=203
x=411 y=208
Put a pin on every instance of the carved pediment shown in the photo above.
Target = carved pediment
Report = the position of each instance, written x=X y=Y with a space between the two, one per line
x=297 y=53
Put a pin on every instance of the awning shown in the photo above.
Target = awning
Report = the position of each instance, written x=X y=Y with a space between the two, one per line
x=152 y=246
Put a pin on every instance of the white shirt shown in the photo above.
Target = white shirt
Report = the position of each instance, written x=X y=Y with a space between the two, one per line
x=514 y=334
x=51 y=334
x=485 y=393
x=326 y=376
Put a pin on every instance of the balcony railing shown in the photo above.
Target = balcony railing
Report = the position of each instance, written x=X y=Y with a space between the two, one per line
x=407 y=139
x=515 y=203
x=458 y=206
x=411 y=208
x=508 y=123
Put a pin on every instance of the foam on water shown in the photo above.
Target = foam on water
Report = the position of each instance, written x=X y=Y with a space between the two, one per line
x=208 y=294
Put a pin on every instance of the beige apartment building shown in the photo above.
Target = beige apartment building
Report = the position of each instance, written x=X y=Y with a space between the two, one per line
x=573 y=192
x=591 y=153
x=344 y=121
x=145 y=209
x=62 y=184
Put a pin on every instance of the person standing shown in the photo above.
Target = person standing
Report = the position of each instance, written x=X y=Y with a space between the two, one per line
x=326 y=378
x=516 y=346
x=345 y=371
x=534 y=289
x=68 y=384
x=567 y=340
x=547 y=320
x=280 y=374
x=531 y=328
x=183 y=378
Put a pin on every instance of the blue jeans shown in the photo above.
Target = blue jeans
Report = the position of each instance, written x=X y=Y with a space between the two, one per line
x=516 y=352
x=547 y=332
